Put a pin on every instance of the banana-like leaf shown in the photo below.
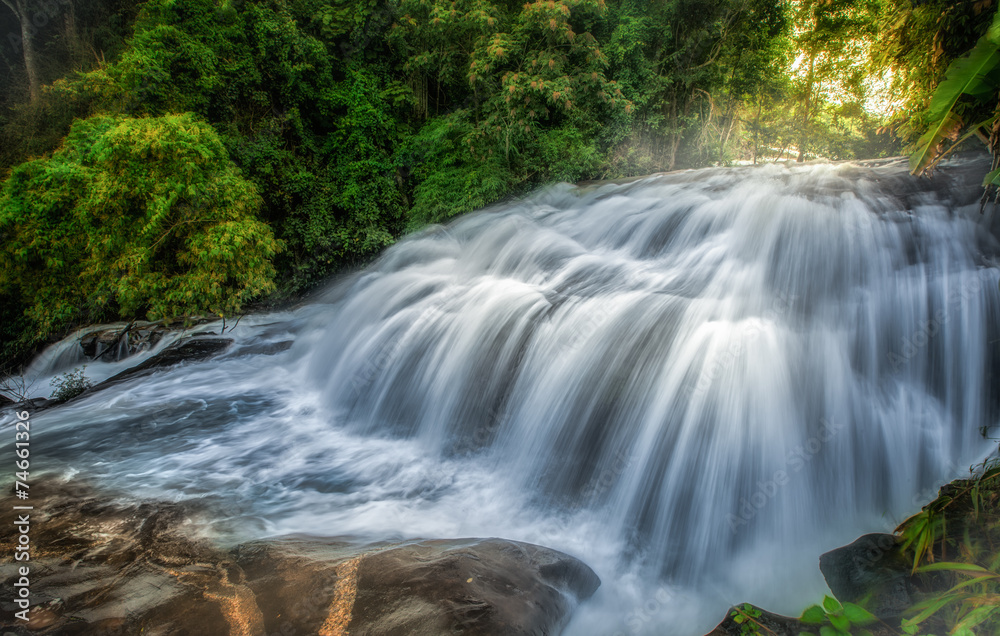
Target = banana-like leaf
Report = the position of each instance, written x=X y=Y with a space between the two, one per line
x=927 y=146
x=928 y=608
x=975 y=617
x=992 y=178
x=971 y=582
x=955 y=567
x=972 y=130
x=968 y=75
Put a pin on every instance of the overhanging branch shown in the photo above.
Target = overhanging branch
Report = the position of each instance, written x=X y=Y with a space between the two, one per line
x=13 y=7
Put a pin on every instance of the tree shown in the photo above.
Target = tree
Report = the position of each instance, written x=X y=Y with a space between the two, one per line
x=834 y=40
x=505 y=95
x=23 y=11
x=135 y=216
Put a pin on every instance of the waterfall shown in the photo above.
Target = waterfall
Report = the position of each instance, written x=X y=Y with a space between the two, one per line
x=696 y=383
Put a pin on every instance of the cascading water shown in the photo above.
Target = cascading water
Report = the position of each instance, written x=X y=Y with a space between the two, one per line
x=696 y=383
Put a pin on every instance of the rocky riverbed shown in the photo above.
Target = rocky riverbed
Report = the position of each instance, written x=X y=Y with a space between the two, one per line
x=100 y=565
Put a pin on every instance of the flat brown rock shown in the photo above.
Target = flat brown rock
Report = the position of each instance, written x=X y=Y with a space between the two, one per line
x=101 y=567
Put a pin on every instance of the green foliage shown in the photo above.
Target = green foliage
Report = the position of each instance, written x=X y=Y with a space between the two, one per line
x=954 y=540
x=954 y=545
x=975 y=75
x=313 y=130
x=525 y=89
x=139 y=215
x=918 y=40
x=351 y=206
x=692 y=70
x=352 y=121
x=70 y=384
x=564 y=154
x=834 y=619
x=449 y=180
x=746 y=617
x=68 y=35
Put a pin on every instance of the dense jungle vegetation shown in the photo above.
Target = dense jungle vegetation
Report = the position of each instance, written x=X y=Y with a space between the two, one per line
x=173 y=158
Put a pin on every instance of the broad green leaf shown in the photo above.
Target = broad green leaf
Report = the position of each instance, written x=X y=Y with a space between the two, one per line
x=840 y=622
x=928 y=608
x=954 y=567
x=966 y=76
x=976 y=617
x=813 y=615
x=858 y=615
x=830 y=604
x=993 y=178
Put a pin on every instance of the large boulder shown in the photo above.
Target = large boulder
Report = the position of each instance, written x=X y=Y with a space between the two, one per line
x=101 y=567
x=463 y=586
x=872 y=572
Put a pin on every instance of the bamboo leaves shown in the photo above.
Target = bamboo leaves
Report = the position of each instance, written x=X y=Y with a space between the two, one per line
x=143 y=216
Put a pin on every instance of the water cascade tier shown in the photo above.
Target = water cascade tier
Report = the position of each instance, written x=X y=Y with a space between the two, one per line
x=696 y=383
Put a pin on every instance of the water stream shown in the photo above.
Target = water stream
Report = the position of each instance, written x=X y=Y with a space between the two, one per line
x=696 y=383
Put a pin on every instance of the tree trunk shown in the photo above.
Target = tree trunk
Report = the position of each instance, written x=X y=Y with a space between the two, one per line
x=756 y=128
x=30 y=64
x=72 y=35
x=724 y=141
x=20 y=9
x=804 y=139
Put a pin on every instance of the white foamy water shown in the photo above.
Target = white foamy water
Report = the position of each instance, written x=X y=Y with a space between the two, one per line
x=695 y=383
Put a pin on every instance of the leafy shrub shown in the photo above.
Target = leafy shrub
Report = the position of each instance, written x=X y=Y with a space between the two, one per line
x=70 y=384
x=449 y=180
x=835 y=619
x=567 y=154
x=139 y=215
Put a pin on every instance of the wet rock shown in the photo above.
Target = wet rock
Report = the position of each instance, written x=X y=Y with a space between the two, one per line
x=470 y=586
x=464 y=586
x=104 y=567
x=758 y=621
x=186 y=350
x=193 y=348
x=871 y=572
x=123 y=340
x=262 y=348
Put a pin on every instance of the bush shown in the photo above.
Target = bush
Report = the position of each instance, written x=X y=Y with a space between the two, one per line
x=449 y=180
x=69 y=385
x=139 y=216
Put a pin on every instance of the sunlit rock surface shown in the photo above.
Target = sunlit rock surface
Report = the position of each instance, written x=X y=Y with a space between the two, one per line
x=100 y=567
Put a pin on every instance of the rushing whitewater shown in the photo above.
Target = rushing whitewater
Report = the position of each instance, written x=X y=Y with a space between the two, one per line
x=696 y=383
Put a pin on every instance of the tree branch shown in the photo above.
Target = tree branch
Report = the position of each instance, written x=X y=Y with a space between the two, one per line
x=13 y=7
